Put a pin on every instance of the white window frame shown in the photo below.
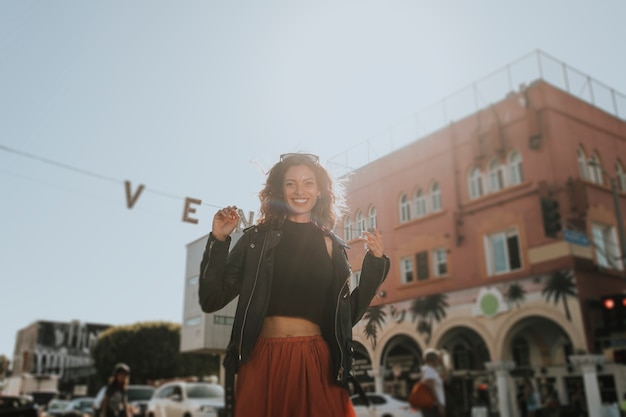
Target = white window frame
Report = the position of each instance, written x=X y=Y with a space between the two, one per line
x=360 y=223
x=435 y=197
x=406 y=267
x=475 y=183
x=404 y=206
x=621 y=176
x=347 y=229
x=372 y=220
x=595 y=170
x=440 y=257
x=606 y=245
x=516 y=174
x=420 y=203
x=496 y=244
x=496 y=176
x=582 y=163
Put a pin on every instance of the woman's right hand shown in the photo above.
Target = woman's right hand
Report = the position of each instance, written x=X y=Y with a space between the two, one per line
x=224 y=222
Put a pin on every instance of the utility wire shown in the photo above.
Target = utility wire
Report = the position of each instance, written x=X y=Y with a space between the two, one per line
x=89 y=173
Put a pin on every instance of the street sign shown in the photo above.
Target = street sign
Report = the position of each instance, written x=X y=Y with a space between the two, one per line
x=576 y=237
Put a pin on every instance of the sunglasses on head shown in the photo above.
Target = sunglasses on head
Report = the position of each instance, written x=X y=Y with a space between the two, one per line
x=313 y=158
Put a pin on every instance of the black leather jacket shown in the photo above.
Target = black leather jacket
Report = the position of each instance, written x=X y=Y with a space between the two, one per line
x=247 y=271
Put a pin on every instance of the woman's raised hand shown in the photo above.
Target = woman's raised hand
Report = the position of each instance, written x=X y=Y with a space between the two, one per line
x=374 y=242
x=224 y=222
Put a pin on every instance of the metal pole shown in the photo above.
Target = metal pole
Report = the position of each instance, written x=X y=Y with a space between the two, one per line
x=620 y=223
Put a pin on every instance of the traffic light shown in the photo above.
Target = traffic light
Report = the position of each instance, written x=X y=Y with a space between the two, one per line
x=551 y=216
x=614 y=312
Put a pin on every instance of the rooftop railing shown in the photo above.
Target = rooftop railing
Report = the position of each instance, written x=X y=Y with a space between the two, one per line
x=479 y=95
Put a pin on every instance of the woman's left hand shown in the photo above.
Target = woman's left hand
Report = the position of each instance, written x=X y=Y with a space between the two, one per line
x=374 y=242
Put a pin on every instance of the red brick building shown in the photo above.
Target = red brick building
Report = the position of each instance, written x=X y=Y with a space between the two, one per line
x=473 y=272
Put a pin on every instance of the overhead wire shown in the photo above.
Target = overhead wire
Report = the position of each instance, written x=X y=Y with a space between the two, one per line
x=90 y=173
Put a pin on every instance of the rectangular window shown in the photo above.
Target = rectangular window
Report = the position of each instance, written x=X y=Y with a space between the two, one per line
x=503 y=252
x=606 y=246
x=421 y=259
x=193 y=321
x=406 y=270
x=223 y=320
x=440 y=262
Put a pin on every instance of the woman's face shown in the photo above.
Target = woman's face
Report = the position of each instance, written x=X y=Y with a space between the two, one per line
x=300 y=191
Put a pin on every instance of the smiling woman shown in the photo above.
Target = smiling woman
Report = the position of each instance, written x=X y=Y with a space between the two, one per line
x=292 y=333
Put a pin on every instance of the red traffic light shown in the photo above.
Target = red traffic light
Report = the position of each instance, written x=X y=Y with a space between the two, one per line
x=608 y=303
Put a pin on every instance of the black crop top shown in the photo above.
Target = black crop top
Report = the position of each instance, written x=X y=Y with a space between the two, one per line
x=303 y=273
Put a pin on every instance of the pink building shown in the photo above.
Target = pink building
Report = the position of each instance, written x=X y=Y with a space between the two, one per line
x=473 y=272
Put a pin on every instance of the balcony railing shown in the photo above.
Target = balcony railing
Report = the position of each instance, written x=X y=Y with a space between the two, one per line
x=479 y=95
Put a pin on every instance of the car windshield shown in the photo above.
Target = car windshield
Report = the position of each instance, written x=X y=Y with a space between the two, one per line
x=205 y=391
x=80 y=404
x=139 y=394
x=57 y=405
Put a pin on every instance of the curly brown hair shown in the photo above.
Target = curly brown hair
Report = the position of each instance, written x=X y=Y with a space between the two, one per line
x=274 y=210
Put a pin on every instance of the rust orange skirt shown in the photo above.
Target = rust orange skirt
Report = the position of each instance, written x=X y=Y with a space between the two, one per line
x=290 y=377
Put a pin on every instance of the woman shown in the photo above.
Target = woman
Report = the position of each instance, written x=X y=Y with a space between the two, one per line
x=115 y=402
x=291 y=343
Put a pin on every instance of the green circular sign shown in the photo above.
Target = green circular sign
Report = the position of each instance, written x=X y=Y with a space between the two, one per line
x=489 y=304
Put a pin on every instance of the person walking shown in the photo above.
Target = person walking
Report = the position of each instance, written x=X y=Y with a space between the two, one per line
x=431 y=376
x=291 y=342
x=115 y=401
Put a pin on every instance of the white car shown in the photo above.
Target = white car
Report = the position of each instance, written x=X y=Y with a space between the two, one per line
x=383 y=405
x=186 y=399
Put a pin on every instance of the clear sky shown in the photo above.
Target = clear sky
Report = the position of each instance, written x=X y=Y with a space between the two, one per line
x=198 y=98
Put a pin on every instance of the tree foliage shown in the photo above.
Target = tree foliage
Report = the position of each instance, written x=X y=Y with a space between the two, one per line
x=152 y=350
x=4 y=366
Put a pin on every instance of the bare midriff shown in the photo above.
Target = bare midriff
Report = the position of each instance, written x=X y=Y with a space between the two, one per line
x=280 y=326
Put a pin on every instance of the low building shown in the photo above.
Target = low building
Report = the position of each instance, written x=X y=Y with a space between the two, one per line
x=58 y=349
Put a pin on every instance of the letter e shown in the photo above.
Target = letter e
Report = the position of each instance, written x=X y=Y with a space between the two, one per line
x=188 y=209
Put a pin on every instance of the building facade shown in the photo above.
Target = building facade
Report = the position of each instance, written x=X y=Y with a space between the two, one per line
x=474 y=272
x=61 y=349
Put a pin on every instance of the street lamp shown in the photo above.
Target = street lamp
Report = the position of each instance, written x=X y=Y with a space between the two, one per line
x=618 y=210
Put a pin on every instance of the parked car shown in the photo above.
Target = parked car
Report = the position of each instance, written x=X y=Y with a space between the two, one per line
x=79 y=407
x=55 y=408
x=137 y=395
x=17 y=406
x=187 y=399
x=383 y=405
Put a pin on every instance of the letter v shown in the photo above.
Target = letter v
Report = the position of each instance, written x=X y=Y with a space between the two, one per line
x=130 y=198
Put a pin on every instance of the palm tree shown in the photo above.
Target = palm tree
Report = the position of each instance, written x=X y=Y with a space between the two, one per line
x=397 y=315
x=375 y=317
x=515 y=294
x=426 y=310
x=560 y=285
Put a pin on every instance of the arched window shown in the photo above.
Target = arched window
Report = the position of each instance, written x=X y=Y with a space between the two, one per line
x=371 y=218
x=621 y=176
x=405 y=209
x=595 y=170
x=582 y=163
x=516 y=175
x=475 y=182
x=420 y=203
x=496 y=176
x=347 y=229
x=435 y=196
x=360 y=223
